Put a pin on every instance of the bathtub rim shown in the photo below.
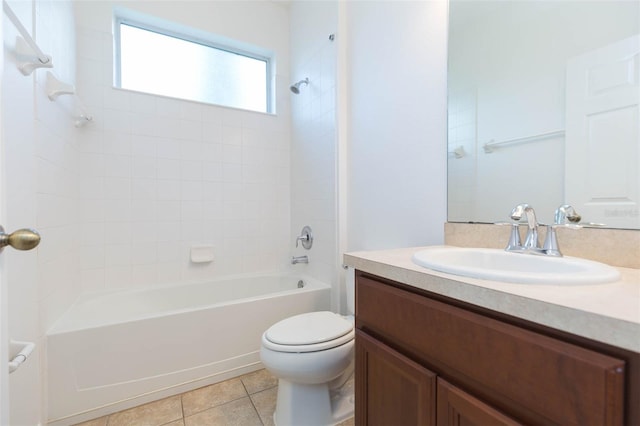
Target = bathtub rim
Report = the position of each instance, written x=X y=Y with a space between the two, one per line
x=57 y=326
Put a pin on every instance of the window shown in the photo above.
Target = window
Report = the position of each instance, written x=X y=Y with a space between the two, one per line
x=163 y=62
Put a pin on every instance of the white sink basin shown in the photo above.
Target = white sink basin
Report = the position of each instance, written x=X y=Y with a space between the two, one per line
x=499 y=265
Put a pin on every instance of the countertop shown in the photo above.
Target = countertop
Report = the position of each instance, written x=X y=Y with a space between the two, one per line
x=608 y=313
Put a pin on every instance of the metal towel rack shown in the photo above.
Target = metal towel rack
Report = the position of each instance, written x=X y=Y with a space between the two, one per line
x=33 y=56
x=56 y=88
x=491 y=146
x=22 y=355
x=30 y=57
x=458 y=152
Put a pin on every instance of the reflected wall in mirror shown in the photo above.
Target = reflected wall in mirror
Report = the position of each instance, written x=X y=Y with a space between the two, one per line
x=543 y=109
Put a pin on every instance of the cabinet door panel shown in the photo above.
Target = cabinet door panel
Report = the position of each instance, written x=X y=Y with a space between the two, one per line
x=391 y=389
x=458 y=408
x=530 y=376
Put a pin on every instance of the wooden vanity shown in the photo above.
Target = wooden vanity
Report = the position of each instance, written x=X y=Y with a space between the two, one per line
x=425 y=357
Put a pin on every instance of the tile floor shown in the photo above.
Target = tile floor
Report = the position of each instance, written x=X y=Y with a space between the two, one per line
x=248 y=400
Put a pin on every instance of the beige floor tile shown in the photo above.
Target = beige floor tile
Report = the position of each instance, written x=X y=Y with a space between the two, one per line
x=258 y=381
x=101 y=421
x=265 y=403
x=235 y=413
x=152 y=414
x=212 y=396
x=176 y=423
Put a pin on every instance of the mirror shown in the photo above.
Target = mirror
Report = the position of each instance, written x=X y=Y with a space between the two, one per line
x=543 y=109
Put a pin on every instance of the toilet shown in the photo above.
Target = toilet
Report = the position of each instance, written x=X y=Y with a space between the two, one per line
x=312 y=355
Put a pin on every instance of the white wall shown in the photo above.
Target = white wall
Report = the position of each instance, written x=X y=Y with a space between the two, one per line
x=313 y=144
x=397 y=123
x=162 y=175
x=40 y=166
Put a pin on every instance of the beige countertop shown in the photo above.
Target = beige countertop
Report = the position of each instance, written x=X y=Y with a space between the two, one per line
x=608 y=313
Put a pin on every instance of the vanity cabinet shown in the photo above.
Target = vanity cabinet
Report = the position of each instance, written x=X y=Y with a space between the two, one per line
x=422 y=359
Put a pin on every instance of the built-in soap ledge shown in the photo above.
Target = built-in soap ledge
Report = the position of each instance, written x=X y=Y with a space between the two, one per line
x=203 y=253
x=615 y=247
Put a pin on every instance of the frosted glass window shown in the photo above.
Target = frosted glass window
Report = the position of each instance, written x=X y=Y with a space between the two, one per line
x=152 y=62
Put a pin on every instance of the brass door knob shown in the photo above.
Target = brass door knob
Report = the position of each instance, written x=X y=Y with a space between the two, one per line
x=22 y=239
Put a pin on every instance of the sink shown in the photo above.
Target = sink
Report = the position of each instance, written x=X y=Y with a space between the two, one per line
x=499 y=265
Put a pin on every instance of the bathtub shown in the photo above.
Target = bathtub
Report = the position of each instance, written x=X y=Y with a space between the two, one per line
x=112 y=351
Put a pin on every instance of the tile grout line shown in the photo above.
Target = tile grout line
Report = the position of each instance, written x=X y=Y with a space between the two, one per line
x=184 y=419
x=251 y=401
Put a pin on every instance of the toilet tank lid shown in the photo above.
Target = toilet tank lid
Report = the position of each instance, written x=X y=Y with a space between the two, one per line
x=309 y=329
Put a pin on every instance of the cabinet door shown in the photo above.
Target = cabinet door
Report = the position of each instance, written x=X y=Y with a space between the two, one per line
x=458 y=408
x=533 y=377
x=391 y=389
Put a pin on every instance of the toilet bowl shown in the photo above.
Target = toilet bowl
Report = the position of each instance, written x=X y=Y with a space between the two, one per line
x=312 y=356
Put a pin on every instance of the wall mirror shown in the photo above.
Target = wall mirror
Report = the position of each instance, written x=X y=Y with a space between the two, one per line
x=543 y=109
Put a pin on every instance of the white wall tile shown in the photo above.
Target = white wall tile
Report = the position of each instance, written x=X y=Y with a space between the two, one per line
x=116 y=277
x=144 y=167
x=168 y=210
x=168 y=148
x=191 y=130
x=92 y=280
x=191 y=190
x=144 y=254
x=191 y=170
x=169 y=232
x=159 y=174
x=169 y=189
x=117 y=255
x=169 y=169
x=144 y=209
x=144 y=146
x=117 y=188
x=117 y=143
x=144 y=189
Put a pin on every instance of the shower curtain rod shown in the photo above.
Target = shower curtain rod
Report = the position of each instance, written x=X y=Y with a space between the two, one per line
x=44 y=59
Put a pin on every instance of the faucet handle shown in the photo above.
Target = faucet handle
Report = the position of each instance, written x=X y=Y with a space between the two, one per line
x=550 y=247
x=515 y=243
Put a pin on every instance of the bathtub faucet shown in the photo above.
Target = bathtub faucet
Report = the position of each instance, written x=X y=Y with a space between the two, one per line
x=299 y=259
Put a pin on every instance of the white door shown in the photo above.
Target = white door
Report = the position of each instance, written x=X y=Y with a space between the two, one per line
x=603 y=134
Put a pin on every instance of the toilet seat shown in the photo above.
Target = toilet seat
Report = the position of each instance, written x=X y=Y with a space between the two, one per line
x=310 y=332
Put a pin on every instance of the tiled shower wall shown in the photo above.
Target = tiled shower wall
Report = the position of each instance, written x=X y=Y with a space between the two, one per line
x=57 y=160
x=314 y=139
x=40 y=166
x=160 y=176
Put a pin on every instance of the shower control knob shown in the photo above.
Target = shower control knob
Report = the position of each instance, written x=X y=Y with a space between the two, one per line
x=22 y=239
x=306 y=237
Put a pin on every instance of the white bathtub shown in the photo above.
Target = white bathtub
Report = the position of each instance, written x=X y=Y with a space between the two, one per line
x=113 y=351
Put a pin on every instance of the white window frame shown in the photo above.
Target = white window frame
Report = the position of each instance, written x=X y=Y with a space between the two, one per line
x=194 y=36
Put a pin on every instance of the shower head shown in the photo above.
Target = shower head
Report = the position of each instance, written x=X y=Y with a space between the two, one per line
x=296 y=87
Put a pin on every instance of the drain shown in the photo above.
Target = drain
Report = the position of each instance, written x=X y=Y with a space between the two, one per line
x=300 y=284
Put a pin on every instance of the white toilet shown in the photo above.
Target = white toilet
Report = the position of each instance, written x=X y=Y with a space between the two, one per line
x=312 y=355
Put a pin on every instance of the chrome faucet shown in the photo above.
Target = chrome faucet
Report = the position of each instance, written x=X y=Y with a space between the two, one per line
x=563 y=214
x=531 y=242
x=299 y=259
